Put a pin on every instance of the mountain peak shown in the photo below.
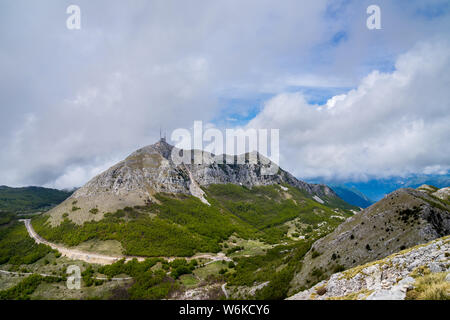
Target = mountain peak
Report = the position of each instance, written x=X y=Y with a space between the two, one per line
x=151 y=170
x=161 y=147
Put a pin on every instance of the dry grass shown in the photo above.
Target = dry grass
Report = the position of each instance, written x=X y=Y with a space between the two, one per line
x=360 y=295
x=432 y=286
x=108 y=247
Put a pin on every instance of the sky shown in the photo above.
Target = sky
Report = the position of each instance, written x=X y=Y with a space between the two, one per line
x=351 y=104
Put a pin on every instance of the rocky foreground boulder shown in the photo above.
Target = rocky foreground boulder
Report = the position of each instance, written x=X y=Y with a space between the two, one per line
x=390 y=278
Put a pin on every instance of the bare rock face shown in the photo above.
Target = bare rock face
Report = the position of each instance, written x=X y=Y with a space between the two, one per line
x=402 y=219
x=150 y=170
x=443 y=194
x=386 y=279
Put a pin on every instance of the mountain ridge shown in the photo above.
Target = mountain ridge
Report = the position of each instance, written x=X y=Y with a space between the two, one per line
x=30 y=199
x=352 y=196
x=150 y=170
x=404 y=218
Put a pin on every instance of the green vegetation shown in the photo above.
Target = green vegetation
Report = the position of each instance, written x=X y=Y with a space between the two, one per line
x=152 y=285
x=247 y=225
x=149 y=283
x=6 y=217
x=16 y=247
x=182 y=225
x=277 y=266
x=88 y=277
x=143 y=236
x=131 y=268
x=181 y=267
x=30 y=199
x=314 y=254
x=26 y=287
x=267 y=206
x=234 y=249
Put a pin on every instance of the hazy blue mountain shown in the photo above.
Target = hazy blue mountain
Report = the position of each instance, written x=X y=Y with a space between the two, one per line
x=352 y=196
x=376 y=189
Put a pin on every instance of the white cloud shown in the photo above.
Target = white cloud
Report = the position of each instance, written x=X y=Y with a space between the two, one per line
x=77 y=100
x=76 y=176
x=71 y=101
x=392 y=124
x=331 y=103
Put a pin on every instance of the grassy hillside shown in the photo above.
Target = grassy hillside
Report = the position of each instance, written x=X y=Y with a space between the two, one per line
x=29 y=199
x=183 y=225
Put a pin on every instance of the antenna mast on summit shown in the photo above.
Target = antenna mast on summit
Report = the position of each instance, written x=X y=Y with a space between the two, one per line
x=161 y=137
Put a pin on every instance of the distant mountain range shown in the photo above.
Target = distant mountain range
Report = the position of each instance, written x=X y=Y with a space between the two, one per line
x=352 y=196
x=376 y=189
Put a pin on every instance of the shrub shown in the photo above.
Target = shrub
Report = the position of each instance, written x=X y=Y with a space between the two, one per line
x=338 y=268
x=317 y=272
x=278 y=286
x=321 y=290
x=234 y=249
x=222 y=271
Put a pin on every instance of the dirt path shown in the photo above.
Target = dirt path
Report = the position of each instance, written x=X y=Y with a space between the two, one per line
x=106 y=259
x=72 y=253
x=224 y=289
x=51 y=275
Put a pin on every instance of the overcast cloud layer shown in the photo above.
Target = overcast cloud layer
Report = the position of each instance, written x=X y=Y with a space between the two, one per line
x=392 y=124
x=72 y=103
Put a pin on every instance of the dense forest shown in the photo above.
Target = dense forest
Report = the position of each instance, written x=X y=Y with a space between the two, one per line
x=17 y=247
x=29 y=199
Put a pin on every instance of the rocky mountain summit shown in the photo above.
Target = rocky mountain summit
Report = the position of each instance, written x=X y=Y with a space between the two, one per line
x=404 y=218
x=424 y=268
x=151 y=170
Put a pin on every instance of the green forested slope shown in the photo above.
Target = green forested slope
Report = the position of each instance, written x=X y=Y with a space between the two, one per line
x=29 y=198
x=183 y=225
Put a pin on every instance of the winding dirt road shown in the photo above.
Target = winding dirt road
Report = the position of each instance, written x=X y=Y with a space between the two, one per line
x=73 y=253
x=106 y=259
